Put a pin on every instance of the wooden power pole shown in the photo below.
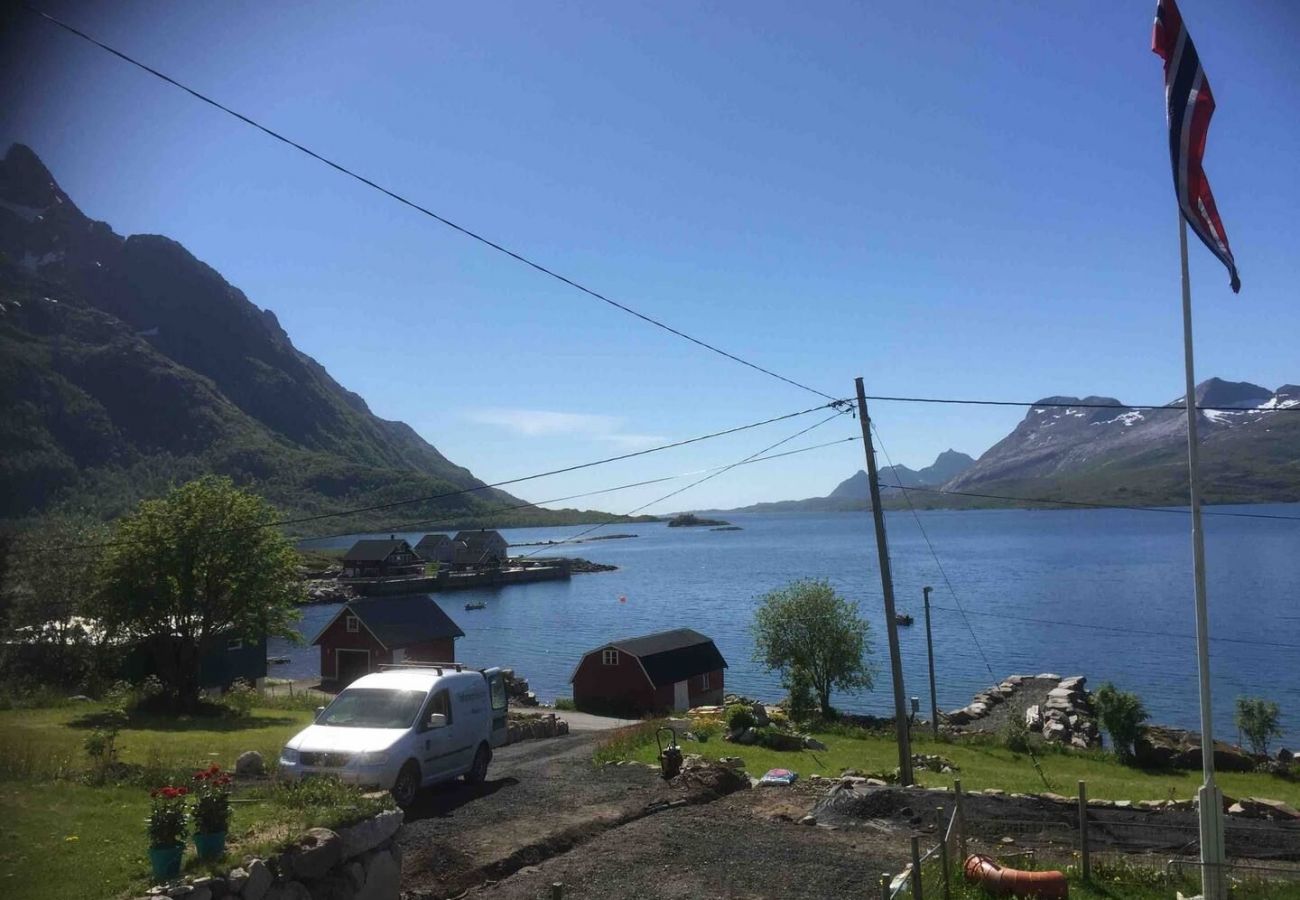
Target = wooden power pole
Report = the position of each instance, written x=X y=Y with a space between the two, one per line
x=929 y=653
x=887 y=585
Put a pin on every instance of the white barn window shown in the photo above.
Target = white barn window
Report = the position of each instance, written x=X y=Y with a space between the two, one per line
x=609 y=657
x=353 y=624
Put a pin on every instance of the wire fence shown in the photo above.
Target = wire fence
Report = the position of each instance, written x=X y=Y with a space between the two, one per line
x=1093 y=843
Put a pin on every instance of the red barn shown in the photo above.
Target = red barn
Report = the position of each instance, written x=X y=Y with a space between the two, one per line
x=675 y=669
x=384 y=630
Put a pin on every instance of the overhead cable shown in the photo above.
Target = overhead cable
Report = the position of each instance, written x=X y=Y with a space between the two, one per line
x=344 y=170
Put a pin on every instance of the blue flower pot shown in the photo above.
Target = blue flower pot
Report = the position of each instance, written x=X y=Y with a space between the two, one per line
x=166 y=861
x=210 y=846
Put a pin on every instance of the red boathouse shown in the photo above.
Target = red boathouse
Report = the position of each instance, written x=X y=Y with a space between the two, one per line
x=384 y=630
x=675 y=669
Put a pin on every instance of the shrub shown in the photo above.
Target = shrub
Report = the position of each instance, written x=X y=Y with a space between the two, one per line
x=565 y=703
x=739 y=717
x=1122 y=715
x=801 y=704
x=621 y=743
x=1257 y=719
x=1015 y=732
x=240 y=699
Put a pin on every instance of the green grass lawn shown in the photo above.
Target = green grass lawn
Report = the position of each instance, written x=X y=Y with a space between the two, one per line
x=61 y=837
x=985 y=766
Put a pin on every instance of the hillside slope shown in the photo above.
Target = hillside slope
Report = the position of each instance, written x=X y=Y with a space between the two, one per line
x=127 y=365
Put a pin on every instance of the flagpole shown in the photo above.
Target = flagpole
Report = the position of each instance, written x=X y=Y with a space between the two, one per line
x=1209 y=796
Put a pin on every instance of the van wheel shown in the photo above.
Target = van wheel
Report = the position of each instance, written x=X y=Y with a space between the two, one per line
x=407 y=785
x=478 y=771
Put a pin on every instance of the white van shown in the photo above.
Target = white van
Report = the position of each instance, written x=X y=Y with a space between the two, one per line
x=405 y=728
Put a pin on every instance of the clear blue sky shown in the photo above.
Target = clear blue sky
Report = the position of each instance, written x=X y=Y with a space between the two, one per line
x=967 y=201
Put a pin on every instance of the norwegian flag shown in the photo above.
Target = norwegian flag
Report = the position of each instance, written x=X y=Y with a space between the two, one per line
x=1189 y=105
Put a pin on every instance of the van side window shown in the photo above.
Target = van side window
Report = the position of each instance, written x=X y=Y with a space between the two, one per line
x=440 y=704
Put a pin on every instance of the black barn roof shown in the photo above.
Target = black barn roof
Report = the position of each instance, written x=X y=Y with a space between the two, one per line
x=400 y=621
x=374 y=550
x=672 y=656
x=433 y=540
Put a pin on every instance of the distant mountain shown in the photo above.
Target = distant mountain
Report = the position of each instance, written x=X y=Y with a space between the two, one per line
x=855 y=493
x=947 y=466
x=1250 y=450
x=128 y=365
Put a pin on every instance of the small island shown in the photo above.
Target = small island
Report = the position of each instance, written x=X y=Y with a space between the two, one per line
x=690 y=520
x=727 y=528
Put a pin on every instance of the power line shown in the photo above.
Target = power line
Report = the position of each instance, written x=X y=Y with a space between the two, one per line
x=1081 y=405
x=1122 y=630
x=483 y=487
x=751 y=458
x=403 y=526
x=344 y=170
x=1089 y=504
x=934 y=554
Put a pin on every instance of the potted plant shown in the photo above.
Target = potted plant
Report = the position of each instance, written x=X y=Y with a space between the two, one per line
x=211 y=811
x=167 y=831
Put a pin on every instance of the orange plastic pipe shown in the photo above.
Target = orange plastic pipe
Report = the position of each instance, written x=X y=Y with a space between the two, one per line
x=1003 y=882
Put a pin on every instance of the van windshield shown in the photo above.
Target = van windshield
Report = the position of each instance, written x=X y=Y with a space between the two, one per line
x=373 y=708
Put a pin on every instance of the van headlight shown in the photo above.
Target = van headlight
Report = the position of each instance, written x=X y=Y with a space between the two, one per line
x=373 y=758
x=288 y=757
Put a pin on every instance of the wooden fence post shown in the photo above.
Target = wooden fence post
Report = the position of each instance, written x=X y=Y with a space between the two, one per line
x=943 y=848
x=917 y=892
x=961 y=821
x=884 y=886
x=1085 y=859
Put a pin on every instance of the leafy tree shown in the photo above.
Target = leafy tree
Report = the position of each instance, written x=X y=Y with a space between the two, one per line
x=1257 y=719
x=813 y=636
x=1122 y=715
x=200 y=562
x=51 y=576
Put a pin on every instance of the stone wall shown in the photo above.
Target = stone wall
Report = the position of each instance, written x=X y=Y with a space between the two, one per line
x=1058 y=708
x=531 y=727
x=360 y=862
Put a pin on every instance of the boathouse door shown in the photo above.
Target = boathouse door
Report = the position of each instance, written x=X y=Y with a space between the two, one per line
x=681 y=696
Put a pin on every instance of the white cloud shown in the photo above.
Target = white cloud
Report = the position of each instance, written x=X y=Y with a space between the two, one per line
x=551 y=423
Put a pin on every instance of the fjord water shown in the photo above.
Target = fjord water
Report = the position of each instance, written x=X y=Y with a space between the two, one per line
x=1028 y=580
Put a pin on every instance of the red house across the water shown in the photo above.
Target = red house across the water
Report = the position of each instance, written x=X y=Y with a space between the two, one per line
x=675 y=669
x=384 y=630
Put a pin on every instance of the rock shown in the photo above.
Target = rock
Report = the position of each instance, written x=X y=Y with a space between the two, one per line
x=383 y=875
x=782 y=742
x=258 y=883
x=1055 y=798
x=1236 y=809
x=876 y=782
x=314 y=854
x=1007 y=839
x=1074 y=682
x=1078 y=740
x=1263 y=808
x=811 y=743
x=1055 y=732
x=356 y=874
x=958 y=717
x=1161 y=747
x=1048 y=676
x=250 y=762
x=744 y=736
x=1034 y=718
x=367 y=835
x=732 y=762
x=978 y=710
x=808 y=820
x=1123 y=804
x=337 y=886
x=289 y=890
x=561 y=727
x=216 y=886
x=236 y=880
x=759 y=712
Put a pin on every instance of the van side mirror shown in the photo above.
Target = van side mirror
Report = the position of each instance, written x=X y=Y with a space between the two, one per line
x=436 y=720
x=319 y=711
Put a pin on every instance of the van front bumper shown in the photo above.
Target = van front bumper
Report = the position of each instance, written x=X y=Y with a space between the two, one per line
x=378 y=776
